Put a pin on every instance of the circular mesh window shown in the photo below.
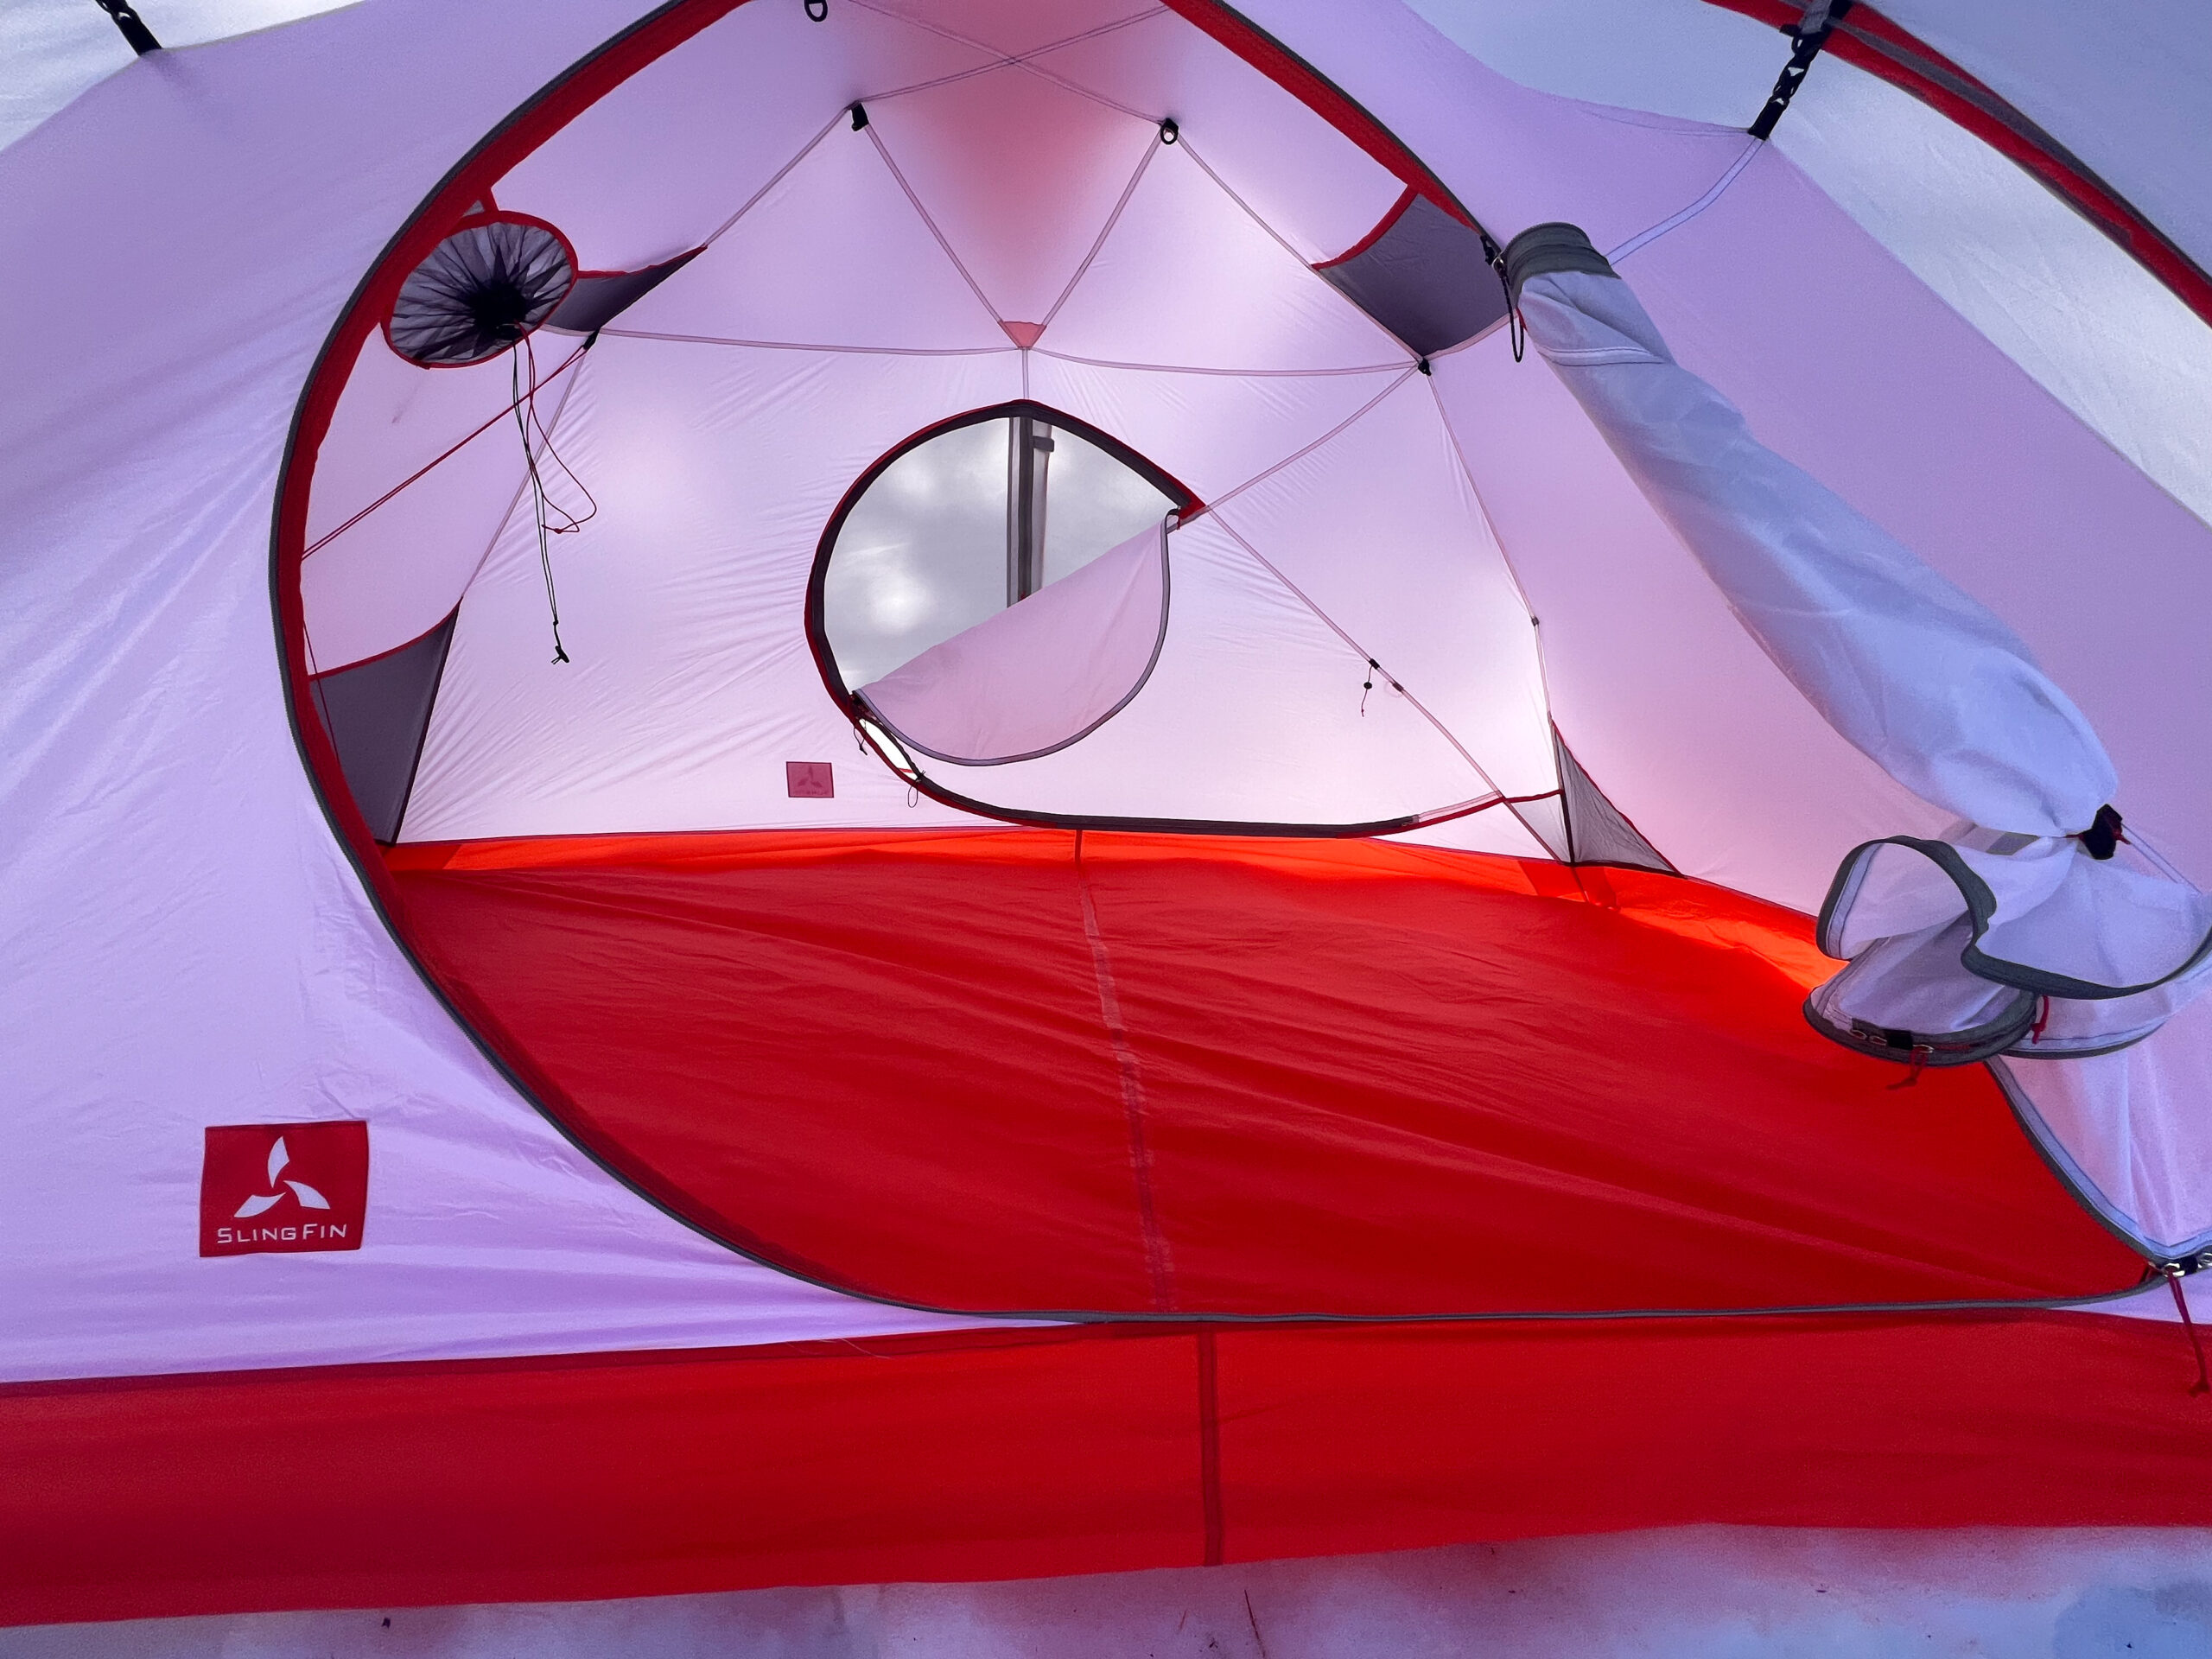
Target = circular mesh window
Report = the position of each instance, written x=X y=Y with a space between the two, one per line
x=993 y=591
x=480 y=291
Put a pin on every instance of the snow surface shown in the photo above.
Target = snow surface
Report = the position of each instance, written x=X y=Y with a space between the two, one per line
x=1715 y=1592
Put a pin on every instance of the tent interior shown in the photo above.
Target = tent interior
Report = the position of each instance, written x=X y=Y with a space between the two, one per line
x=870 y=794
x=993 y=566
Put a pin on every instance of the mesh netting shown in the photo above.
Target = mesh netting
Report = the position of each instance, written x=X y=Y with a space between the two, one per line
x=480 y=291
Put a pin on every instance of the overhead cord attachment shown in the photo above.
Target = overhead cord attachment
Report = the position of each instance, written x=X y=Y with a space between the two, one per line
x=1516 y=333
x=543 y=507
x=1811 y=35
x=1539 y=251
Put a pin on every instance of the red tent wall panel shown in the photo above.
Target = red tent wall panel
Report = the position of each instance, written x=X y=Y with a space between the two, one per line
x=1347 y=1076
x=1403 y=1436
x=999 y=1454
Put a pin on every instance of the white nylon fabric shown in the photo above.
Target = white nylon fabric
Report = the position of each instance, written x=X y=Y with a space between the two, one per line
x=690 y=683
x=2096 y=328
x=2120 y=86
x=2110 y=1121
x=2071 y=955
x=185 y=944
x=1919 y=678
x=455 y=427
x=1255 y=700
x=1847 y=366
x=2049 y=289
x=56 y=50
x=1052 y=244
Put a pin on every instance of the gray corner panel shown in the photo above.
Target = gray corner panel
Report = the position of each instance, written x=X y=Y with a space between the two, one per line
x=1596 y=831
x=1424 y=278
x=599 y=297
x=377 y=713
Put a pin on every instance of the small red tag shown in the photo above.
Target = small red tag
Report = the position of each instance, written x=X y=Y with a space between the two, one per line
x=808 y=780
x=284 y=1187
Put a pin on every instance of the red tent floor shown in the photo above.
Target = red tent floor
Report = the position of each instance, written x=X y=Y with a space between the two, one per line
x=1182 y=1075
x=982 y=1070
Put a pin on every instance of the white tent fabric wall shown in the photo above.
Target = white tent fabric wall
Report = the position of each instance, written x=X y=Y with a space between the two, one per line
x=2121 y=87
x=1765 y=798
x=2090 y=324
x=2130 y=364
x=55 y=50
x=2080 y=315
x=242 y=978
x=1934 y=689
x=1179 y=312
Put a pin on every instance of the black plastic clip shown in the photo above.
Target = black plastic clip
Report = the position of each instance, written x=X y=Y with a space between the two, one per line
x=818 y=10
x=2102 y=838
x=1811 y=35
x=135 y=33
x=1169 y=132
x=859 y=113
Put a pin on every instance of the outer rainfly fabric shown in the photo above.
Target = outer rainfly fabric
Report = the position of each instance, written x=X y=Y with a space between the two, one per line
x=184 y=943
x=2121 y=87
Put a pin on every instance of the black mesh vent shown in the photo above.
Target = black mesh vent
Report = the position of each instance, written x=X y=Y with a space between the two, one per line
x=1423 y=276
x=602 y=296
x=1596 y=832
x=376 y=714
x=480 y=291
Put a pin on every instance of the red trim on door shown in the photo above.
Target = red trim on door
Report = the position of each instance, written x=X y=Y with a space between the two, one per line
x=470 y=183
x=1319 y=94
x=1866 y=40
x=1382 y=229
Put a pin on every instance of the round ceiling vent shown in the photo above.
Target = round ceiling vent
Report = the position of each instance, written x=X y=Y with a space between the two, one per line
x=480 y=291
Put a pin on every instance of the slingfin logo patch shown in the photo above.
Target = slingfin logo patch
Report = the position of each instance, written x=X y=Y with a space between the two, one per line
x=283 y=1187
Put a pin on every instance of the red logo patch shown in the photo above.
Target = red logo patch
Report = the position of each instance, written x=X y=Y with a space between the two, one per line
x=284 y=1187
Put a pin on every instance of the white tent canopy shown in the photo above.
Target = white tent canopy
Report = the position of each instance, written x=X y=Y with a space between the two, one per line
x=1661 y=699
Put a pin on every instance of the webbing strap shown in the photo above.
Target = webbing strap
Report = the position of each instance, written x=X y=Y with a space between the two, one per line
x=1811 y=35
x=134 y=28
